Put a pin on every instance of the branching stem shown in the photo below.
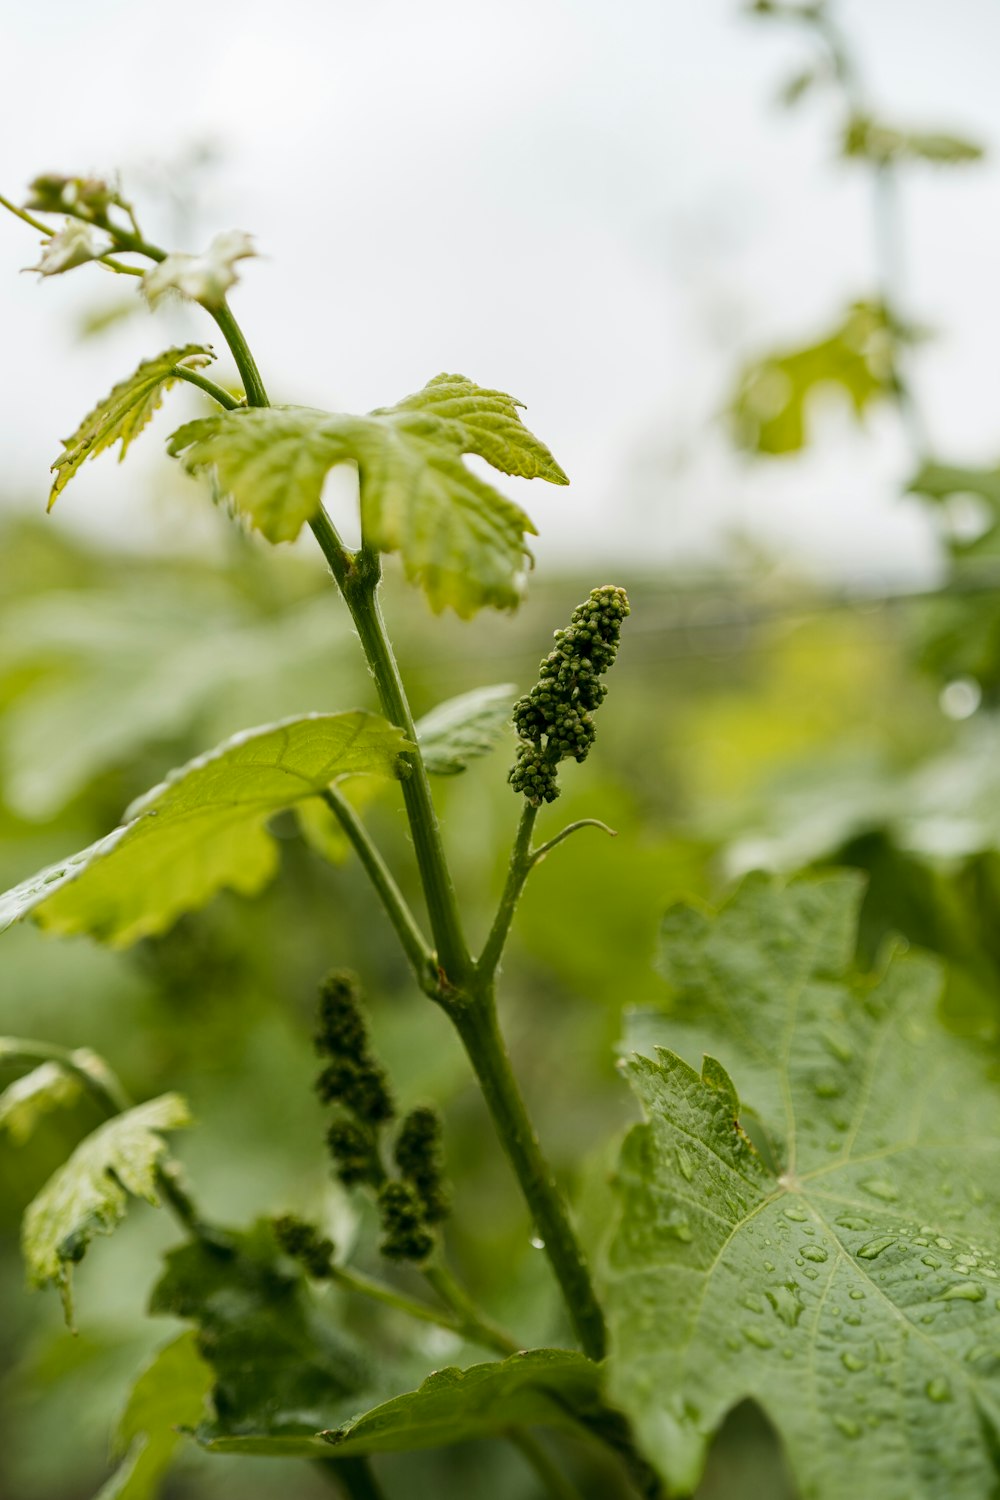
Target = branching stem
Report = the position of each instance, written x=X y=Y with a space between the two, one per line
x=467 y=1318
x=412 y=940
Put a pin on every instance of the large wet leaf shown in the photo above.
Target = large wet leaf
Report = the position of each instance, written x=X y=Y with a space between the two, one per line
x=202 y=829
x=843 y=1272
x=459 y=538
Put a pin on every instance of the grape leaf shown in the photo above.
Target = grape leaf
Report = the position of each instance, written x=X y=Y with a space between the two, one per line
x=281 y=1366
x=202 y=829
x=768 y=410
x=89 y=1193
x=535 y=1387
x=169 y=1393
x=881 y=143
x=845 y=1275
x=464 y=728
x=27 y=1099
x=459 y=538
x=122 y=414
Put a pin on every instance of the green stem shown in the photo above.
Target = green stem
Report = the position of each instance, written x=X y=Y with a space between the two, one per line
x=517 y=873
x=555 y=1481
x=473 y=1011
x=478 y=1027
x=358 y=577
x=354 y=1477
x=240 y=349
x=368 y=1286
x=193 y=377
x=468 y=1320
x=412 y=940
x=22 y=213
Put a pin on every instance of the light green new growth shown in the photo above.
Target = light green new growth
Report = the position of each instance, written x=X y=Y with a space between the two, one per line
x=89 y=1193
x=847 y=1278
x=458 y=537
x=123 y=414
x=203 y=829
x=25 y=1101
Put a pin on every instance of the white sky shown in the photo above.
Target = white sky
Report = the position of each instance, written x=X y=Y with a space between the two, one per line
x=594 y=204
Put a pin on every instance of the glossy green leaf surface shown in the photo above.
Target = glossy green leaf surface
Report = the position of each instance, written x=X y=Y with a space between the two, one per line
x=202 y=829
x=169 y=1394
x=125 y=411
x=464 y=728
x=534 y=1388
x=458 y=537
x=88 y=1195
x=845 y=1274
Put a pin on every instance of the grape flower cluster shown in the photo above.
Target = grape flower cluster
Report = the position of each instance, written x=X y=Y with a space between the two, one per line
x=411 y=1203
x=555 y=720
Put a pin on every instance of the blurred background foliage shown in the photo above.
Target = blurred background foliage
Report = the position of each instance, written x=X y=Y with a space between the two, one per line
x=756 y=719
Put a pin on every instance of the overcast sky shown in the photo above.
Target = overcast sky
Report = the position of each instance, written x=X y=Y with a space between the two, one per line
x=594 y=204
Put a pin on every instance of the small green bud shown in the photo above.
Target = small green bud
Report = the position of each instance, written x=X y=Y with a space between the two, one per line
x=404 y=1234
x=304 y=1243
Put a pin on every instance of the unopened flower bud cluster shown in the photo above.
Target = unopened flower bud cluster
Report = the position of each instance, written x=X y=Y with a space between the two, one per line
x=555 y=719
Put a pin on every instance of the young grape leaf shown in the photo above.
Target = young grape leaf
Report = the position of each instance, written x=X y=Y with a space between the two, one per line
x=459 y=538
x=89 y=1193
x=536 y=1387
x=769 y=408
x=202 y=829
x=843 y=1272
x=122 y=415
x=881 y=143
x=28 y=1098
x=282 y=1369
x=464 y=728
x=168 y=1394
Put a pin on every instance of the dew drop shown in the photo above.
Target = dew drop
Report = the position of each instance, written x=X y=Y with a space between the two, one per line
x=856 y=1294
x=849 y=1428
x=756 y=1337
x=752 y=1303
x=852 y=1221
x=878 y=1187
x=932 y=1261
x=810 y=1272
x=536 y=1243
x=942 y=1243
x=963 y=1291
x=853 y=1362
x=684 y=1163
x=814 y=1252
x=785 y=1302
x=798 y=1215
x=874 y=1248
x=852 y=1319
x=938 y=1389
